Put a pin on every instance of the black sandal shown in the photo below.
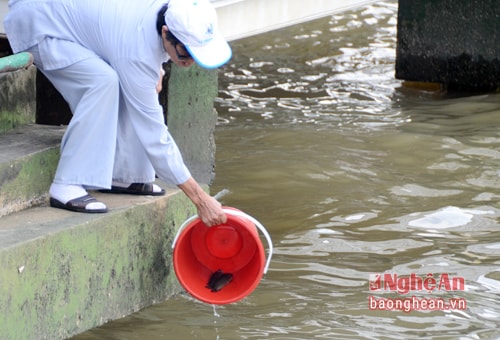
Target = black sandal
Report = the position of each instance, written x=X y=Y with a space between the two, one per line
x=134 y=189
x=78 y=204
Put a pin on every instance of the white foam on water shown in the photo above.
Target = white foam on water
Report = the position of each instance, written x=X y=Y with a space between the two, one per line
x=449 y=217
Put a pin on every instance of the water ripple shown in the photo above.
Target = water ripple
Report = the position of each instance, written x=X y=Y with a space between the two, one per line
x=327 y=85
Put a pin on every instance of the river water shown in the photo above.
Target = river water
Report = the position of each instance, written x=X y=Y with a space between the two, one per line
x=354 y=175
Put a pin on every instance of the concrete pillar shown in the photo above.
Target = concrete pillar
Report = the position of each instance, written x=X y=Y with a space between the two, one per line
x=189 y=94
x=453 y=42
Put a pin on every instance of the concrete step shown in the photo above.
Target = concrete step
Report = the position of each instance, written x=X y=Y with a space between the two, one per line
x=28 y=160
x=63 y=272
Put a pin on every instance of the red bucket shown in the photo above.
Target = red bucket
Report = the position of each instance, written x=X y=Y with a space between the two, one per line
x=220 y=264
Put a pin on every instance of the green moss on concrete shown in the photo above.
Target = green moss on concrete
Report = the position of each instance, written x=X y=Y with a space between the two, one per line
x=97 y=270
x=17 y=98
x=9 y=120
x=26 y=180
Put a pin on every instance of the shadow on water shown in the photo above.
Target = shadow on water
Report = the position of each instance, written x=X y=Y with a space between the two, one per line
x=352 y=173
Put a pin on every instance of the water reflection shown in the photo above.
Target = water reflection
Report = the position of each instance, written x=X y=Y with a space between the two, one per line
x=352 y=173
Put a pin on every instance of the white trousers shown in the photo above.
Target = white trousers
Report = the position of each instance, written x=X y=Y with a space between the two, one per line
x=100 y=143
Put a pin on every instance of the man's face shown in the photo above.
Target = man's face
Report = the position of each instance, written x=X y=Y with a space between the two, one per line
x=177 y=51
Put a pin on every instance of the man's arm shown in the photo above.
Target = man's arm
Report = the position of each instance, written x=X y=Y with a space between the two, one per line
x=137 y=85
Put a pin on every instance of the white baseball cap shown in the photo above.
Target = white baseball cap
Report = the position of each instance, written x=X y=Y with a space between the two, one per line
x=194 y=23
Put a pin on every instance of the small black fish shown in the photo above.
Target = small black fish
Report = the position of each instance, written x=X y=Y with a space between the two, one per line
x=213 y=278
x=222 y=281
x=218 y=280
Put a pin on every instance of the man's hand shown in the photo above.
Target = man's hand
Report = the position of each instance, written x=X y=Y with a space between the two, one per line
x=209 y=209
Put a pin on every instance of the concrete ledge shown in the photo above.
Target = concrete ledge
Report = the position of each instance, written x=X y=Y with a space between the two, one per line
x=268 y=15
x=64 y=273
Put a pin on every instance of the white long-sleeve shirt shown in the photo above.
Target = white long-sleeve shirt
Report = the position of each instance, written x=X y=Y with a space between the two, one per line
x=122 y=33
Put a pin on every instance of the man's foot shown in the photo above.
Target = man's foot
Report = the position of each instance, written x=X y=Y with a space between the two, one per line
x=135 y=189
x=74 y=198
x=85 y=204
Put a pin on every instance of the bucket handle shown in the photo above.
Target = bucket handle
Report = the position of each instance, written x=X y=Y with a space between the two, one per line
x=237 y=213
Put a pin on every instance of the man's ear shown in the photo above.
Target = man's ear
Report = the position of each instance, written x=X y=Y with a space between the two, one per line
x=164 y=30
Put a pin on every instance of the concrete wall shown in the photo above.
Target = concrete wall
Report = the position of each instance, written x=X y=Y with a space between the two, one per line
x=63 y=273
x=4 y=7
x=454 y=42
x=17 y=98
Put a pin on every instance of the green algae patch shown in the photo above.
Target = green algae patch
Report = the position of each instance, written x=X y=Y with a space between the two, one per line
x=25 y=182
x=10 y=120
